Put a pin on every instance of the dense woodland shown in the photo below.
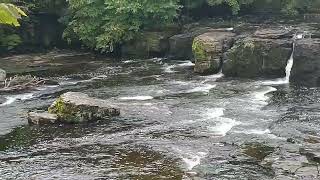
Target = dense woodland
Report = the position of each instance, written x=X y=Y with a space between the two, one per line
x=102 y=25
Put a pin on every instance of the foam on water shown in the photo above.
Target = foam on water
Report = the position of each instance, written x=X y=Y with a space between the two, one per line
x=186 y=64
x=230 y=29
x=261 y=95
x=128 y=61
x=12 y=99
x=138 y=98
x=257 y=131
x=213 y=77
x=223 y=126
x=193 y=161
x=169 y=68
x=213 y=113
x=204 y=88
x=82 y=81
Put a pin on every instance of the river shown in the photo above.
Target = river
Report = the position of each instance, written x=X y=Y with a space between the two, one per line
x=174 y=124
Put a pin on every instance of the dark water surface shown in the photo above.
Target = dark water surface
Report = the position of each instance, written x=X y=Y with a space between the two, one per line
x=173 y=125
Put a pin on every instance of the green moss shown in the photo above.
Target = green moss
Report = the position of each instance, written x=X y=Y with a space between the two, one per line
x=65 y=112
x=198 y=50
x=257 y=150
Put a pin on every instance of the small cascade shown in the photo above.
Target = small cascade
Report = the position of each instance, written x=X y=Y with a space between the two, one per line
x=289 y=65
x=290 y=61
x=286 y=80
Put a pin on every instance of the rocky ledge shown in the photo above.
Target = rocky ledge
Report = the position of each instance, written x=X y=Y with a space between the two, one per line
x=75 y=107
x=245 y=49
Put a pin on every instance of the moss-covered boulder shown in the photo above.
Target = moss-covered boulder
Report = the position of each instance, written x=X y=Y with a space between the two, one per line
x=75 y=107
x=208 y=49
x=257 y=57
x=181 y=44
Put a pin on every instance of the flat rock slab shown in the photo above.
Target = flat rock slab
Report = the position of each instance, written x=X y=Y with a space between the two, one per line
x=39 y=118
x=274 y=33
x=76 y=107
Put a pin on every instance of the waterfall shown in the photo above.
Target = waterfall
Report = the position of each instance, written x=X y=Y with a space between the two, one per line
x=290 y=61
x=289 y=65
x=286 y=80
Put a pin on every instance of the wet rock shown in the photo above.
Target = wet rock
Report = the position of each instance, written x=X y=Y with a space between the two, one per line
x=312 y=140
x=2 y=100
x=306 y=66
x=75 y=107
x=148 y=44
x=3 y=75
x=181 y=44
x=257 y=57
x=291 y=140
x=208 y=50
x=312 y=152
x=38 y=118
x=257 y=150
x=273 y=33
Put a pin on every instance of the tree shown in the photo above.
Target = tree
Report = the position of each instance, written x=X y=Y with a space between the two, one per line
x=9 y=14
x=102 y=24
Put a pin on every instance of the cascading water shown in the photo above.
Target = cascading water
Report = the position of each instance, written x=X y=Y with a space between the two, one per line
x=286 y=80
x=290 y=61
x=289 y=65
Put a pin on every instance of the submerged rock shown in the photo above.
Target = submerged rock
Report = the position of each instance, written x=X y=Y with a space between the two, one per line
x=208 y=50
x=38 y=118
x=3 y=75
x=258 y=57
x=75 y=107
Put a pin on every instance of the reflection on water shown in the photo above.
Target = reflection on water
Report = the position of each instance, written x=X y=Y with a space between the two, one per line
x=174 y=125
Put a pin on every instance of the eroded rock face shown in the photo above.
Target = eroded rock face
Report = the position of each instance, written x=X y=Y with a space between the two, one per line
x=208 y=50
x=3 y=75
x=75 y=107
x=258 y=57
x=149 y=44
x=40 y=118
x=306 y=66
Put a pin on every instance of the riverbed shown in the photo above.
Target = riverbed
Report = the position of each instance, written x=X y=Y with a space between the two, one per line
x=174 y=124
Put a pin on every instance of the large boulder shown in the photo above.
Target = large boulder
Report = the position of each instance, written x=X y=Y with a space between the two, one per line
x=39 y=118
x=253 y=57
x=208 y=49
x=181 y=44
x=3 y=75
x=75 y=107
x=306 y=66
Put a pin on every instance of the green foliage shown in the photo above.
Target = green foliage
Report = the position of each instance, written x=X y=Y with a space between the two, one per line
x=9 y=40
x=102 y=24
x=9 y=14
x=234 y=4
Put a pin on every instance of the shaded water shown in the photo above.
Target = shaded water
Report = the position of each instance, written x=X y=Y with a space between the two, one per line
x=174 y=124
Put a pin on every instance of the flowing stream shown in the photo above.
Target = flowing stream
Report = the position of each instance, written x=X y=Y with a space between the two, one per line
x=174 y=124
